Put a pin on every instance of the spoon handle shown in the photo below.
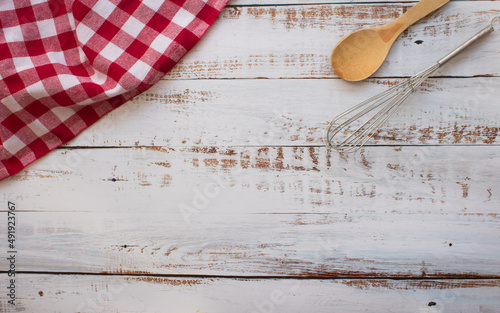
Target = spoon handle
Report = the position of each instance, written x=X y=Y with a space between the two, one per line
x=419 y=10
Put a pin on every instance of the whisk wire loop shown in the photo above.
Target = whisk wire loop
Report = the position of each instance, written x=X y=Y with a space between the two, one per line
x=385 y=105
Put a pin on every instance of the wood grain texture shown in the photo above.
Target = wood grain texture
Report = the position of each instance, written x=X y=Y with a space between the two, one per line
x=386 y=212
x=295 y=112
x=212 y=192
x=296 y=41
x=288 y=179
x=73 y=293
x=261 y=245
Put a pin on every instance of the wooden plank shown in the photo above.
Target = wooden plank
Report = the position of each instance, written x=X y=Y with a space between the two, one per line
x=386 y=212
x=297 y=40
x=155 y=294
x=263 y=180
x=392 y=245
x=295 y=112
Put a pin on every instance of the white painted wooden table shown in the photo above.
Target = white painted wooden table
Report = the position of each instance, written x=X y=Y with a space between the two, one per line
x=212 y=192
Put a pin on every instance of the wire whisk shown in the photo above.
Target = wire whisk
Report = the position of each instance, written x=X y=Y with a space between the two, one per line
x=386 y=102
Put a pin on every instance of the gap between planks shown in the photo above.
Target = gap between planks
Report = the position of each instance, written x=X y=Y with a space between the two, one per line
x=261 y=277
x=267 y=146
x=166 y=79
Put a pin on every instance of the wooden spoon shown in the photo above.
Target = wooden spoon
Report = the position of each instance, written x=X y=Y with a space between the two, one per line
x=359 y=54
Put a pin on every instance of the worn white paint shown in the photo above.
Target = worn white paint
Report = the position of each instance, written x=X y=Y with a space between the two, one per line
x=237 y=244
x=295 y=112
x=72 y=293
x=227 y=178
x=379 y=180
x=296 y=41
x=261 y=211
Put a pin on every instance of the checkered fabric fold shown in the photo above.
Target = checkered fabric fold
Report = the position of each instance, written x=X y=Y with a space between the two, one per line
x=66 y=63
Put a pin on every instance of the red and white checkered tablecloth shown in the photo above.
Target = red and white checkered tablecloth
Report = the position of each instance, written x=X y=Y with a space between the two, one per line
x=66 y=63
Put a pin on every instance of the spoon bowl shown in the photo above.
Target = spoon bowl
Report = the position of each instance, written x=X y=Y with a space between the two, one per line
x=359 y=54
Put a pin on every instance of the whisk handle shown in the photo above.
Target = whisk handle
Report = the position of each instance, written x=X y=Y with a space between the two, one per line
x=473 y=39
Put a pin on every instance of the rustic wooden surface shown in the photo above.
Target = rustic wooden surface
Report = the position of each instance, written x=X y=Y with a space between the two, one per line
x=212 y=192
